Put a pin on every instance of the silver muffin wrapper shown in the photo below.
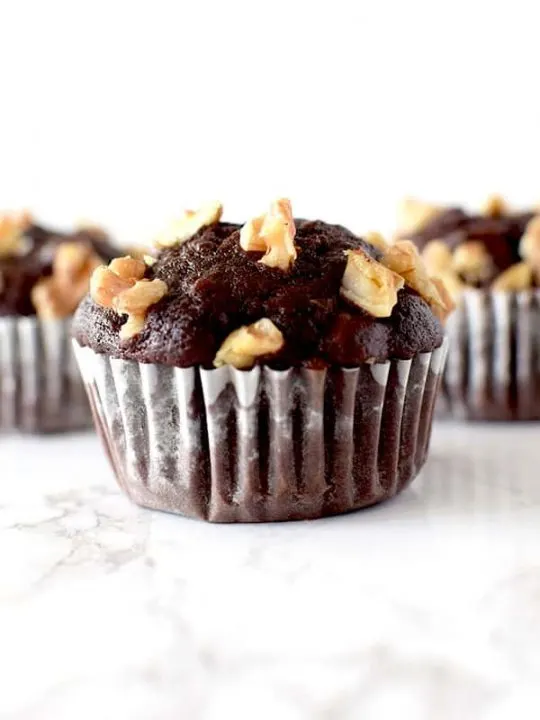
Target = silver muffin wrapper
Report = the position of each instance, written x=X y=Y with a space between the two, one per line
x=41 y=390
x=250 y=446
x=493 y=368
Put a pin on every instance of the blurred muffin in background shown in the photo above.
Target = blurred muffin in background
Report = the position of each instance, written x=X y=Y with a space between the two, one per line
x=43 y=276
x=490 y=261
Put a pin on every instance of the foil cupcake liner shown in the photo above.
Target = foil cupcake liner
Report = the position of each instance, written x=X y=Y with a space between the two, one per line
x=261 y=445
x=41 y=390
x=493 y=368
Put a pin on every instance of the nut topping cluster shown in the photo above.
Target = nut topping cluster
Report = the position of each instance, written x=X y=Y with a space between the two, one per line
x=404 y=259
x=122 y=287
x=273 y=234
x=12 y=227
x=57 y=296
x=243 y=346
x=470 y=264
x=373 y=286
x=529 y=247
x=369 y=284
x=189 y=225
x=516 y=278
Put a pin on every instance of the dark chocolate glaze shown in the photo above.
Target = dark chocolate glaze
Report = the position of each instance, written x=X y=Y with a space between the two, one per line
x=215 y=287
x=19 y=273
x=500 y=235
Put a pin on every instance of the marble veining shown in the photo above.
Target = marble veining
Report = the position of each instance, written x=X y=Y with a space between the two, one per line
x=425 y=608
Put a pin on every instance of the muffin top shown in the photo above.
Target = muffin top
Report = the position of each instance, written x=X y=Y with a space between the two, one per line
x=496 y=248
x=277 y=290
x=43 y=271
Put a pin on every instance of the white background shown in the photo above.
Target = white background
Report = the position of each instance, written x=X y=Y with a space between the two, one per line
x=425 y=608
x=128 y=111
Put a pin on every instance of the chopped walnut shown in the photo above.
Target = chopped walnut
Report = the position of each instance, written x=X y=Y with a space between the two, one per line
x=189 y=225
x=369 y=284
x=451 y=282
x=128 y=268
x=405 y=260
x=529 y=247
x=443 y=311
x=12 y=227
x=57 y=296
x=273 y=233
x=243 y=346
x=414 y=214
x=105 y=285
x=377 y=240
x=135 y=301
x=108 y=282
x=437 y=257
x=518 y=277
x=122 y=286
x=473 y=263
x=438 y=260
x=495 y=206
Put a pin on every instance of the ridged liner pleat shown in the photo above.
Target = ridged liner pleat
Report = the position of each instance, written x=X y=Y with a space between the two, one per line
x=233 y=446
x=40 y=385
x=493 y=368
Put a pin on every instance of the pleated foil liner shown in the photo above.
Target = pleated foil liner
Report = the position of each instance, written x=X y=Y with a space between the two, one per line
x=250 y=446
x=41 y=390
x=493 y=368
x=227 y=445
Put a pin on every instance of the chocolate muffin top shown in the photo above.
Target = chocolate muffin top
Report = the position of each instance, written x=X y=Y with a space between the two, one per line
x=43 y=271
x=496 y=248
x=277 y=291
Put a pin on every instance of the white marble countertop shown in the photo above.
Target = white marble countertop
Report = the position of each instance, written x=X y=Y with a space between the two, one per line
x=426 y=608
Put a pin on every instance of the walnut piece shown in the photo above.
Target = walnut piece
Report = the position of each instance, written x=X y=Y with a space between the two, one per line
x=437 y=257
x=516 y=278
x=122 y=287
x=529 y=247
x=12 y=227
x=57 y=296
x=443 y=311
x=128 y=268
x=438 y=260
x=495 y=206
x=243 y=346
x=405 y=260
x=369 y=284
x=452 y=283
x=273 y=233
x=377 y=240
x=473 y=263
x=189 y=225
x=105 y=285
x=414 y=214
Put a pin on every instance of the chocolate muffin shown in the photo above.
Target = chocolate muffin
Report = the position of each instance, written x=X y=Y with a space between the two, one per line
x=283 y=369
x=43 y=276
x=490 y=261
